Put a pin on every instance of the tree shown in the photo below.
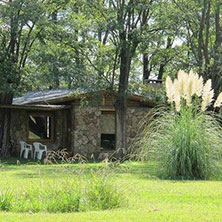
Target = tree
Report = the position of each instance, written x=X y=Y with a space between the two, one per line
x=21 y=24
x=126 y=22
x=202 y=29
x=121 y=26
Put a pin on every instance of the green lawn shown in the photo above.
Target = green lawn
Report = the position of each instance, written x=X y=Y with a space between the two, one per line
x=149 y=199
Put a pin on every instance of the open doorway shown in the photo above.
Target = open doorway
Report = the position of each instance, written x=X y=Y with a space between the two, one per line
x=108 y=141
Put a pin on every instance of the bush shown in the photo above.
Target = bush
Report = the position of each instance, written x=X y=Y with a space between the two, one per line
x=185 y=139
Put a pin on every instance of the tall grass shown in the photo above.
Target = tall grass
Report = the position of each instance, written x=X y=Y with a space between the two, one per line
x=101 y=193
x=6 y=200
x=56 y=197
x=187 y=144
x=85 y=191
x=185 y=138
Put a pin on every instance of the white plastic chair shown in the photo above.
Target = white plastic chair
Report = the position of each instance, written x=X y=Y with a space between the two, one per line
x=26 y=148
x=39 y=149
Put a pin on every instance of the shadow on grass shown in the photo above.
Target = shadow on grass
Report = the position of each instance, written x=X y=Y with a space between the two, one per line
x=13 y=161
x=141 y=170
x=23 y=168
x=35 y=169
x=151 y=170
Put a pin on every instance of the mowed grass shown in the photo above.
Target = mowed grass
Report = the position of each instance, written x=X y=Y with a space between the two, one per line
x=149 y=199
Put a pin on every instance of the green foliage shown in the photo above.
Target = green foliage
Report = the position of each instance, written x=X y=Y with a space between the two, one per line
x=54 y=44
x=187 y=144
x=100 y=194
x=151 y=92
x=64 y=198
x=6 y=200
x=57 y=197
x=95 y=192
x=64 y=201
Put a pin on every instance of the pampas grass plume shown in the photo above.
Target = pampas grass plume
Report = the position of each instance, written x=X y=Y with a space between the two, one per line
x=207 y=95
x=182 y=78
x=191 y=88
x=169 y=89
x=186 y=86
x=199 y=86
x=218 y=101
x=176 y=98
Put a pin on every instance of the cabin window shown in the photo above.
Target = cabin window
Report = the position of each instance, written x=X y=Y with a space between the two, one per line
x=40 y=126
x=108 y=141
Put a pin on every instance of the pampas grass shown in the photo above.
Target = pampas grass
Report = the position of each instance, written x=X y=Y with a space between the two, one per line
x=187 y=145
x=185 y=139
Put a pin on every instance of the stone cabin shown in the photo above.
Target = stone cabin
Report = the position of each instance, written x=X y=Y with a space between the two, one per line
x=83 y=123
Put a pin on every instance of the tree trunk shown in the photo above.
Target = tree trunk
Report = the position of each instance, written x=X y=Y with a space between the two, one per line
x=161 y=71
x=56 y=84
x=166 y=60
x=121 y=103
x=121 y=127
x=201 y=39
x=5 y=117
x=146 y=72
x=215 y=71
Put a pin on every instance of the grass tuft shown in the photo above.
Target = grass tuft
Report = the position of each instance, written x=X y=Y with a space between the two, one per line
x=100 y=193
x=6 y=200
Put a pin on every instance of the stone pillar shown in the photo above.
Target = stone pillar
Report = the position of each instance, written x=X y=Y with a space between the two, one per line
x=87 y=130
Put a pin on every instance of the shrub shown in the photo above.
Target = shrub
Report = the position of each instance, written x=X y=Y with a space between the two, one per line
x=186 y=139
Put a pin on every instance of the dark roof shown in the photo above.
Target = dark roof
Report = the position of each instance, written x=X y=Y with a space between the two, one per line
x=42 y=96
x=36 y=107
x=64 y=95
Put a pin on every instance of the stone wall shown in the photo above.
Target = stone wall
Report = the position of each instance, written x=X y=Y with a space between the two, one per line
x=89 y=123
x=135 y=120
x=107 y=123
x=86 y=130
